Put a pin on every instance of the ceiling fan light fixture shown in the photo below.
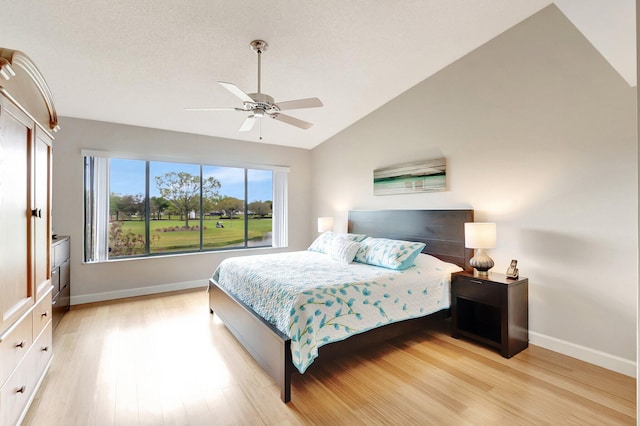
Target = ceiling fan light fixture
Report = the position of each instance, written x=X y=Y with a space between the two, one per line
x=258 y=113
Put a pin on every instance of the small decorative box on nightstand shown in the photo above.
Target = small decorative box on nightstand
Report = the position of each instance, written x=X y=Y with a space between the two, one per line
x=493 y=310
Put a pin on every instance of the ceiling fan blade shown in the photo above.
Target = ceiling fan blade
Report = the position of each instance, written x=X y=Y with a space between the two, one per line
x=248 y=124
x=291 y=120
x=299 y=103
x=213 y=109
x=236 y=91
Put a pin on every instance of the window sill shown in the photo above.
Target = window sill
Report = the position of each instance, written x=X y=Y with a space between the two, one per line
x=225 y=253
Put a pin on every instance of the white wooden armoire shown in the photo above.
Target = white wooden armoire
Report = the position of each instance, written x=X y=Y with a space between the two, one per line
x=27 y=121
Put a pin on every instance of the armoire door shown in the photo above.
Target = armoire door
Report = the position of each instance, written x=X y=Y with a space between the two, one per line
x=41 y=214
x=16 y=289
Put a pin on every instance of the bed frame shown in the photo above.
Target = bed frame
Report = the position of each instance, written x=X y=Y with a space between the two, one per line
x=441 y=230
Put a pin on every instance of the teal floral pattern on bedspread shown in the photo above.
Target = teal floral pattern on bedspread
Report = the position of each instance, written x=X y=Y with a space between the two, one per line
x=316 y=300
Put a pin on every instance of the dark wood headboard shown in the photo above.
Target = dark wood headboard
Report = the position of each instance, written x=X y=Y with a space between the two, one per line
x=441 y=230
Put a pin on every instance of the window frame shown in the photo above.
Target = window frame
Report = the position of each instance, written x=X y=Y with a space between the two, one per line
x=279 y=201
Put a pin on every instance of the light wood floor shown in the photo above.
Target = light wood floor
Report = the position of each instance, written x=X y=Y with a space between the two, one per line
x=166 y=361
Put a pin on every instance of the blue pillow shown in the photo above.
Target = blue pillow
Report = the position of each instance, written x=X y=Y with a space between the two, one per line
x=392 y=254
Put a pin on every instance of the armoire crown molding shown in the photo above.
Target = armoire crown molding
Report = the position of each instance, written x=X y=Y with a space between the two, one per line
x=10 y=60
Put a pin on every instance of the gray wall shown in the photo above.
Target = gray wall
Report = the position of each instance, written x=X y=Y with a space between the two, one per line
x=103 y=281
x=539 y=132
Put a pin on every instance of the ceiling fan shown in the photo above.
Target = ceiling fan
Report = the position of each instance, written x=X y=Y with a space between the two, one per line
x=262 y=105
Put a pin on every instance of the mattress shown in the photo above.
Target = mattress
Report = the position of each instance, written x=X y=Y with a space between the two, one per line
x=316 y=300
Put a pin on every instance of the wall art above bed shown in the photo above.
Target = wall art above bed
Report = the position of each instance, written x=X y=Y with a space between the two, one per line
x=423 y=176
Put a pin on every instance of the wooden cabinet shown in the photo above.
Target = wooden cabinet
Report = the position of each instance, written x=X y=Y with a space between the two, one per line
x=27 y=118
x=493 y=310
x=16 y=138
x=60 y=277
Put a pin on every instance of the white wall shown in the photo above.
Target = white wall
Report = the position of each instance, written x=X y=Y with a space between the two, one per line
x=539 y=132
x=103 y=281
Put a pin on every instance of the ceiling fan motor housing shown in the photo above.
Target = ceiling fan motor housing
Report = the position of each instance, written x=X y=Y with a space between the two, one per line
x=261 y=102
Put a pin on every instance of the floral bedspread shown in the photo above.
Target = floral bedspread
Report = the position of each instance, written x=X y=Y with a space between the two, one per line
x=316 y=300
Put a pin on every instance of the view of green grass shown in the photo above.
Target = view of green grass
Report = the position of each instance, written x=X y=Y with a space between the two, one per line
x=170 y=241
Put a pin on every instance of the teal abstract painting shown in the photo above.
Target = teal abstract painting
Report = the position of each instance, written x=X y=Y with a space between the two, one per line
x=424 y=176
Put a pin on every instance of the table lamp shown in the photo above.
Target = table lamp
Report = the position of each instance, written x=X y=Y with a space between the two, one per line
x=480 y=236
x=325 y=224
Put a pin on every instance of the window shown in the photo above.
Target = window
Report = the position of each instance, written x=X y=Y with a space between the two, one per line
x=138 y=207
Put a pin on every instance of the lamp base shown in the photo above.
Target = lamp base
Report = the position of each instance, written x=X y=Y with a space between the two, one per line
x=481 y=262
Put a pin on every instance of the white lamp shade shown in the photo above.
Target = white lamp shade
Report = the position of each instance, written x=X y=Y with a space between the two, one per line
x=325 y=224
x=480 y=235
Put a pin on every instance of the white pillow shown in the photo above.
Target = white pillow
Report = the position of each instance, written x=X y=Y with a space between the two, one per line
x=343 y=250
x=430 y=262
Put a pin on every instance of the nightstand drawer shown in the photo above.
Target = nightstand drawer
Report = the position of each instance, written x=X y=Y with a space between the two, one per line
x=477 y=290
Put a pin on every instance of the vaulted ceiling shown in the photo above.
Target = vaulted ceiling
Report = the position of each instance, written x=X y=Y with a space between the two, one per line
x=142 y=62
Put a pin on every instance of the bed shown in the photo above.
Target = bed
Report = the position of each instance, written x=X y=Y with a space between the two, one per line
x=441 y=232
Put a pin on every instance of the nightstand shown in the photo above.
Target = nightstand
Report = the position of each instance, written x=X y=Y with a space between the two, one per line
x=493 y=310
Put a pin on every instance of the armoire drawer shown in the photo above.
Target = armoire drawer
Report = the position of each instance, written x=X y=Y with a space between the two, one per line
x=42 y=314
x=21 y=385
x=14 y=347
x=15 y=394
x=42 y=350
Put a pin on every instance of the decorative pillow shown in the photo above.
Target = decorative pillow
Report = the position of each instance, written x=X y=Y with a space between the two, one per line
x=392 y=254
x=343 y=250
x=323 y=242
x=354 y=237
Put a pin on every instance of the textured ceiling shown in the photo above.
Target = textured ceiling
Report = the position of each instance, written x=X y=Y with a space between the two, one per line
x=141 y=62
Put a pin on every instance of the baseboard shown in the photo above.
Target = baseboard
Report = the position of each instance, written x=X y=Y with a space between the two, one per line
x=592 y=356
x=140 y=291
